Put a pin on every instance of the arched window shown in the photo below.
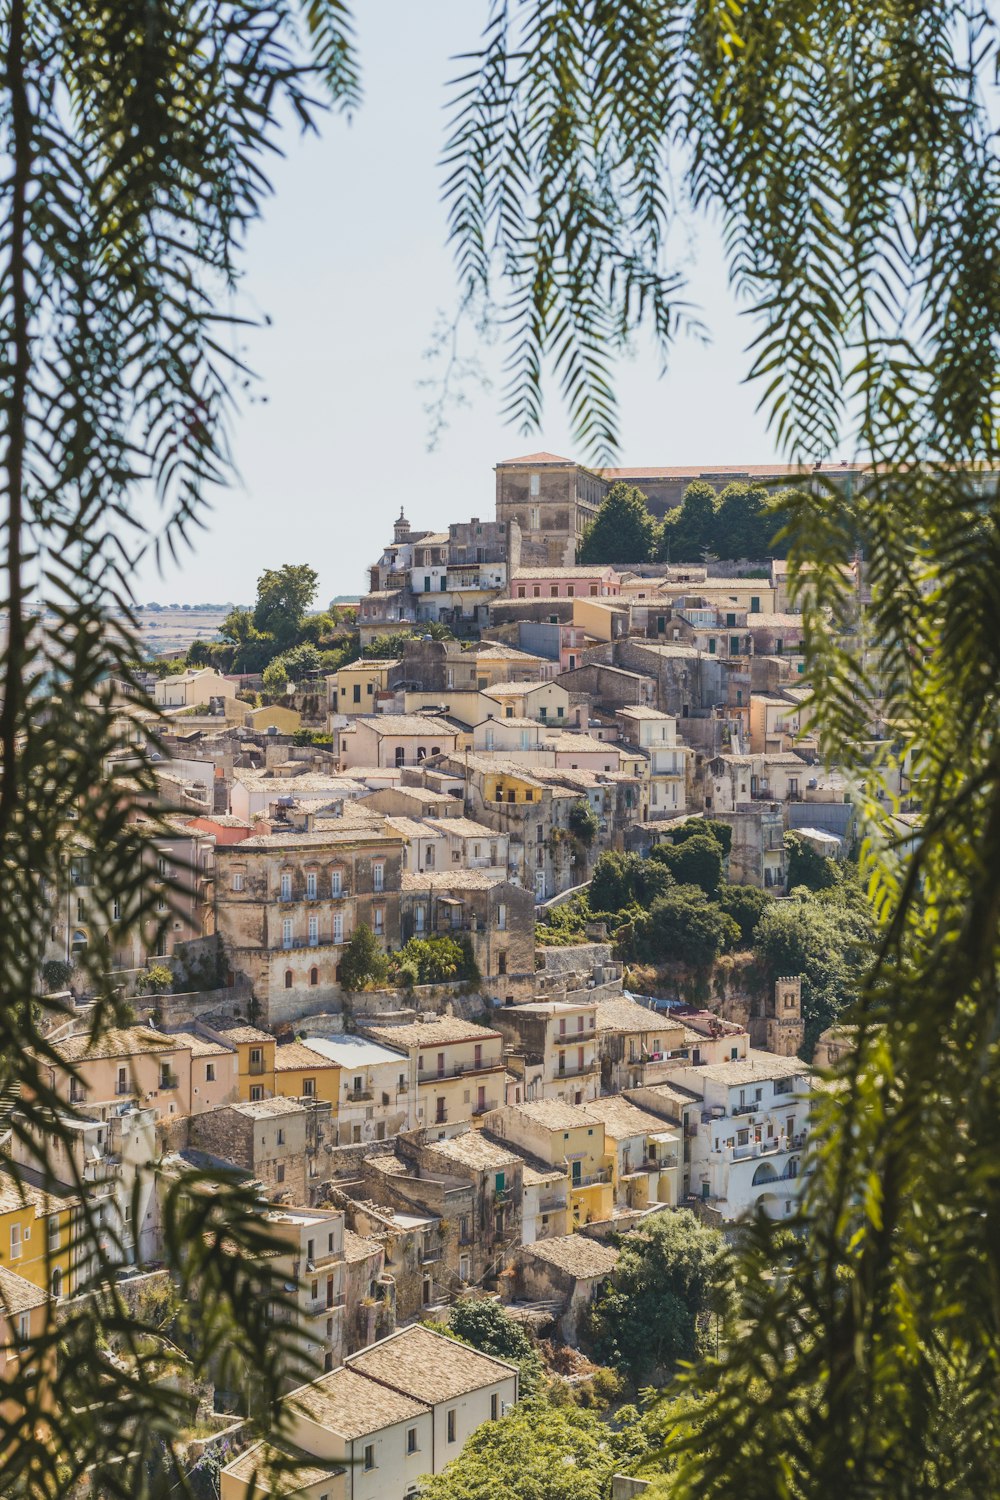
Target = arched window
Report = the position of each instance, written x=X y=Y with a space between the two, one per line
x=792 y=1170
x=314 y=976
x=288 y=979
x=57 y=1278
x=79 y=942
x=764 y=1173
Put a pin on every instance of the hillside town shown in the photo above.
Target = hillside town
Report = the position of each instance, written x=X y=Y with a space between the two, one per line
x=455 y=957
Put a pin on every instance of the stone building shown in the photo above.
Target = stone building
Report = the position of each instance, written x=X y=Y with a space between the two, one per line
x=455 y=1068
x=284 y=1144
x=482 y=906
x=552 y=500
x=780 y=1028
x=288 y=902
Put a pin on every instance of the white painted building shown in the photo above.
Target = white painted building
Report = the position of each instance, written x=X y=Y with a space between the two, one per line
x=746 y=1148
x=374 y=1087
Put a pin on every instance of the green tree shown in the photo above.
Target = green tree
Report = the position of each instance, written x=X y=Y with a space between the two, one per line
x=682 y=926
x=434 y=960
x=284 y=596
x=715 y=828
x=692 y=530
x=619 y=880
x=746 y=904
x=807 y=867
x=695 y=861
x=363 y=963
x=829 y=939
x=623 y=531
x=252 y=649
x=666 y=1298
x=536 y=1452
x=744 y=526
x=583 y=824
x=483 y=1323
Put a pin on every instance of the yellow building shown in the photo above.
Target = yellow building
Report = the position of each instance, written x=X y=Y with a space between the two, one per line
x=356 y=687
x=36 y=1234
x=24 y=1317
x=302 y=1073
x=564 y=1135
x=255 y=1050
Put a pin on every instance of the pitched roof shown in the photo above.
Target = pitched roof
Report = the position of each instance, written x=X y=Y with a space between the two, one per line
x=200 y=1045
x=261 y=1109
x=444 y=880
x=540 y=459
x=358 y=1247
x=17 y=1294
x=281 y=1469
x=349 y=1403
x=429 y=1366
x=473 y=1149
x=553 y=1114
x=295 y=1055
x=433 y=1033
x=619 y=1014
x=236 y=1030
x=576 y=1254
x=395 y=724
x=622 y=1119
x=124 y=1041
x=756 y=1067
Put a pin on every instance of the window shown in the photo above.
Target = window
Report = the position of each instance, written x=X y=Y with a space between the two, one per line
x=122 y=1085
x=167 y=1080
x=534 y=484
x=411 y=1440
x=116 y=910
x=15 y=1242
x=280 y=1172
x=288 y=974
x=369 y=1459
x=755 y=605
x=237 y=880
x=314 y=976
x=256 y=1093
x=734 y=645
x=451 y=1425
x=378 y=876
x=502 y=918
x=357 y=692
x=311 y=886
x=56 y=1283
x=53 y=1234
x=570 y=589
x=502 y=962
x=379 y=916
x=711 y=645
x=313 y=930
x=286 y=932
x=494 y=1406
x=419 y=918
x=281 y=1137
x=336 y=882
x=308 y=1088
x=338 y=927
x=286 y=886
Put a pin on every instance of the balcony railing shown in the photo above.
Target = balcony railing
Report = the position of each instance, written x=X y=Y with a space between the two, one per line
x=603 y=1174
x=459 y=1070
x=255 y=1069
x=576 y=1072
x=354 y=1096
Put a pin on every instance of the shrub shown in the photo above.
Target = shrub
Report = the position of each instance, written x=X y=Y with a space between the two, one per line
x=56 y=973
x=583 y=824
x=695 y=861
x=363 y=963
x=156 y=980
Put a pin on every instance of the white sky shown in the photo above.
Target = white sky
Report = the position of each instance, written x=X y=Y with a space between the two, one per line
x=350 y=265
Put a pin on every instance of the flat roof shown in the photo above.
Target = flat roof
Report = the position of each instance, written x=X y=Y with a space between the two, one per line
x=353 y=1051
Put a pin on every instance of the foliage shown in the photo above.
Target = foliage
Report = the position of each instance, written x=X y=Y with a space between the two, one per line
x=538 y=1451
x=158 y=979
x=746 y=904
x=682 y=926
x=695 y=861
x=135 y=143
x=56 y=974
x=623 y=531
x=294 y=667
x=665 y=1299
x=363 y=964
x=828 y=938
x=721 y=832
x=284 y=596
x=583 y=824
x=619 y=880
x=487 y=1326
x=807 y=867
x=434 y=960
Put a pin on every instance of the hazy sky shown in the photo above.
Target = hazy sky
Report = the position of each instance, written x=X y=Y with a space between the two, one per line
x=350 y=265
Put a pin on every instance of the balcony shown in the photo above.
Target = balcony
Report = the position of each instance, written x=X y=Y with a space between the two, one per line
x=255 y=1069
x=773 y=1147
x=603 y=1174
x=588 y=1068
x=756 y=1106
x=459 y=1070
x=169 y=1081
x=355 y=1096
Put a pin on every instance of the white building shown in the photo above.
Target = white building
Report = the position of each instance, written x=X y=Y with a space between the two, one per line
x=374 y=1087
x=746 y=1147
x=402 y=1408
